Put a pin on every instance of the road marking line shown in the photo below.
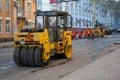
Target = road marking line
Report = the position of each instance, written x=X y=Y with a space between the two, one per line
x=7 y=65
x=5 y=54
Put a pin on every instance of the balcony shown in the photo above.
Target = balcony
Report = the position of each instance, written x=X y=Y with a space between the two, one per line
x=21 y=14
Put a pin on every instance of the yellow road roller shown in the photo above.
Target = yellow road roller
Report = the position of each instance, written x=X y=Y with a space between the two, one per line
x=51 y=36
x=99 y=32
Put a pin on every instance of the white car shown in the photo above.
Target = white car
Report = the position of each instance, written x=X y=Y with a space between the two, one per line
x=118 y=30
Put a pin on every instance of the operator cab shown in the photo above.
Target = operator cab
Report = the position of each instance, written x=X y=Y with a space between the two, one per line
x=49 y=19
x=56 y=22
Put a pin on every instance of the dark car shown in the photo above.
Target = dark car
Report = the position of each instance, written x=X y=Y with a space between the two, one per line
x=108 y=31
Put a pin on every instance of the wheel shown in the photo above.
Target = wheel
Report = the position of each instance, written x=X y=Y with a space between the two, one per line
x=23 y=56
x=68 y=51
x=30 y=56
x=41 y=58
x=16 y=56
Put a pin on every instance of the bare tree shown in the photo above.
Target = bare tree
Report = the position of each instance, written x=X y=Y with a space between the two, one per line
x=105 y=10
x=95 y=4
x=114 y=8
x=111 y=6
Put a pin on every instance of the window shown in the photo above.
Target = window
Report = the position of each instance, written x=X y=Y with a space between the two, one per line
x=29 y=7
x=76 y=9
x=7 y=6
x=0 y=5
x=66 y=7
x=79 y=10
x=0 y=26
x=79 y=22
x=7 y=26
x=39 y=22
x=19 y=9
x=29 y=24
x=71 y=8
x=76 y=22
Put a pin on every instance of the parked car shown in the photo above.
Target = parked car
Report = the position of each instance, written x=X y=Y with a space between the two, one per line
x=108 y=30
x=118 y=29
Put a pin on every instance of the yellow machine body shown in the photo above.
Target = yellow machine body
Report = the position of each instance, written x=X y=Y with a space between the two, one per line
x=98 y=32
x=34 y=48
x=42 y=38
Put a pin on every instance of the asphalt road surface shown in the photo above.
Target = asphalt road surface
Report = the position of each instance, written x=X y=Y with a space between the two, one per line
x=85 y=51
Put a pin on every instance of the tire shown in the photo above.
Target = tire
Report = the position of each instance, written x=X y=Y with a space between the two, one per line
x=30 y=57
x=23 y=56
x=38 y=58
x=68 y=51
x=16 y=56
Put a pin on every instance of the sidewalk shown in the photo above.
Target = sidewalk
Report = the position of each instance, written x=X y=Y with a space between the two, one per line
x=105 y=68
x=6 y=44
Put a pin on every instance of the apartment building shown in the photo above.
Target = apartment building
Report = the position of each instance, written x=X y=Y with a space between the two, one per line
x=29 y=9
x=10 y=11
x=6 y=20
x=83 y=13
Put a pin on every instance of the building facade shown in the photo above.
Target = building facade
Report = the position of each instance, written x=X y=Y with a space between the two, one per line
x=6 y=19
x=26 y=9
x=84 y=13
x=10 y=10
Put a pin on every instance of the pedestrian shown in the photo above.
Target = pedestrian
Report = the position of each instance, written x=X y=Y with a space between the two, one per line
x=77 y=35
x=88 y=33
x=80 y=35
x=85 y=33
x=92 y=33
x=73 y=35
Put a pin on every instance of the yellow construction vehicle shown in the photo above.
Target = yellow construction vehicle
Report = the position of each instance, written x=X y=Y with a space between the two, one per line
x=99 y=31
x=51 y=36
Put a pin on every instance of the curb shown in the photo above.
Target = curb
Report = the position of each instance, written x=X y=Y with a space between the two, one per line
x=108 y=36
